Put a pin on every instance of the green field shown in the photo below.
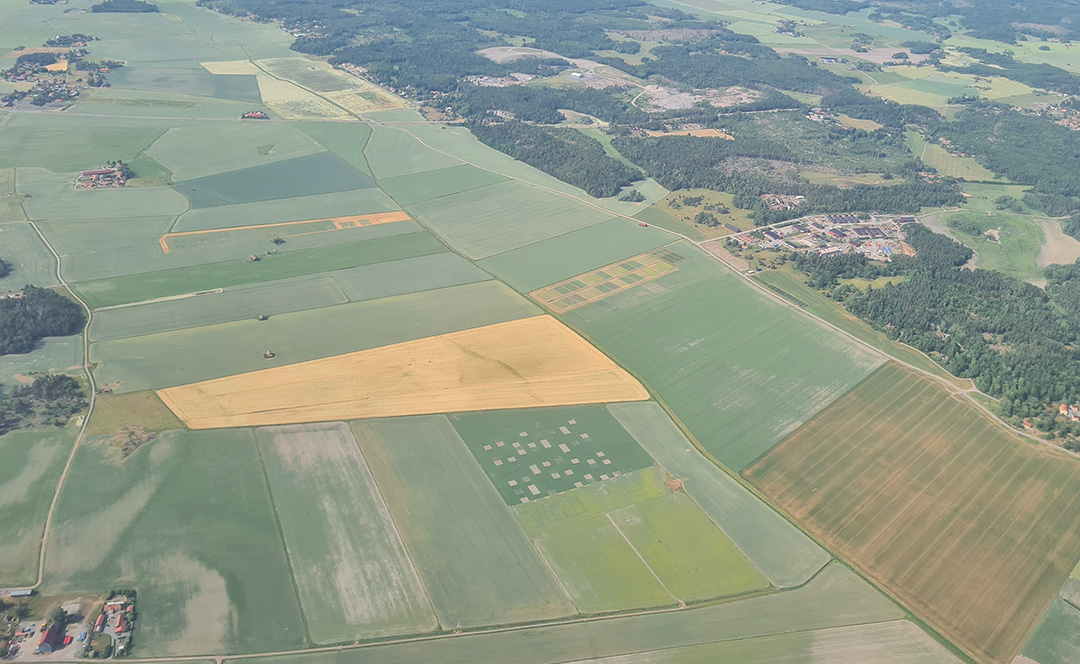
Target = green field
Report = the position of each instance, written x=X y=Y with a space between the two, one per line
x=739 y=370
x=319 y=173
x=392 y=152
x=187 y=520
x=785 y=555
x=1007 y=243
x=142 y=409
x=353 y=575
x=10 y=204
x=946 y=165
x=571 y=254
x=194 y=82
x=538 y=452
x=1057 y=638
x=272 y=298
x=179 y=357
x=63 y=146
x=178 y=281
x=836 y=597
x=500 y=217
x=53 y=198
x=53 y=355
x=689 y=554
x=31 y=262
x=346 y=140
x=477 y=565
x=297 y=208
x=410 y=275
x=419 y=187
x=183 y=150
x=30 y=464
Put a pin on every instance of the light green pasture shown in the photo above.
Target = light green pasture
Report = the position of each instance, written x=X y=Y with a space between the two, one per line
x=65 y=146
x=345 y=139
x=419 y=187
x=54 y=198
x=196 y=150
x=30 y=260
x=1057 y=638
x=298 y=208
x=392 y=152
x=410 y=275
x=1014 y=250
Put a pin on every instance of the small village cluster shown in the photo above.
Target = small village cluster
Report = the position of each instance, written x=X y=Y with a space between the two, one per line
x=877 y=238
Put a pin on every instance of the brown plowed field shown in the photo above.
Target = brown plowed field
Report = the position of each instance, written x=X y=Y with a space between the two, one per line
x=972 y=528
x=520 y=364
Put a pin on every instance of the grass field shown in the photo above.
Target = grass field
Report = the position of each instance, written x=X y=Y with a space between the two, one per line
x=739 y=370
x=891 y=467
x=54 y=199
x=672 y=213
x=785 y=555
x=143 y=409
x=419 y=187
x=524 y=363
x=187 y=81
x=320 y=173
x=689 y=554
x=63 y=147
x=409 y=275
x=966 y=168
x=392 y=152
x=475 y=562
x=187 y=519
x=537 y=452
x=30 y=464
x=270 y=299
x=1008 y=243
x=323 y=206
x=1057 y=638
x=175 y=358
x=354 y=577
x=346 y=140
x=31 y=262
x=10 y=203
x=179 y=281
x=562 y=257
x=835 y=598
x=478 y=222
x=183 y=150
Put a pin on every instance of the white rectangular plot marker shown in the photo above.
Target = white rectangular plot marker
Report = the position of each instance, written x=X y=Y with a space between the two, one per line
x=534 y=469
x=572 y=422
x=565 y=431
x=533 y=490
x=498 y=462
x=512 y=482
x=487 y=448
x=563 y=447
x=546 y=444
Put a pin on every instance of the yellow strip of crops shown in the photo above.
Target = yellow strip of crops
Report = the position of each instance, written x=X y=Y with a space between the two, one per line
x=520 y=364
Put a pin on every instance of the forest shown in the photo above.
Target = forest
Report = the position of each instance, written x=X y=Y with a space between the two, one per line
x=124 y=6
x=37 y=314
x=51 y=400
x=567 y=154
x=1015 y=341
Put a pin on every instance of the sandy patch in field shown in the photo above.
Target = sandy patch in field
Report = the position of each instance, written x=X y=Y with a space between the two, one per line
x=230 y=67
x=1058 y=248
x=84 y=544
x=520 y=364
x=41 y=457
x=209 y=616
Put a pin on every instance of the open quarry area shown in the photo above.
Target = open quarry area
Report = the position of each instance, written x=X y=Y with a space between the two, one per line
x=315 y=349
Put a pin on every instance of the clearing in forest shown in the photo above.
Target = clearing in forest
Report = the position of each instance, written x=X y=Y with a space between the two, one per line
x=524 y=363
x=971 y=528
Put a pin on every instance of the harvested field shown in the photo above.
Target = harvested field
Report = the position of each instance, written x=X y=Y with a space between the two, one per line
x=477 y=565
x=1057 y=248
x=598 y=284
x=230 y=67
x=354 y=577
x=287 y=229
x=886 y=472
x=525 y=363
x=785 y=555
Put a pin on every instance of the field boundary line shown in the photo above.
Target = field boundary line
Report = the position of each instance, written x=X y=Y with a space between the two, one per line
x=547 y=563
x=340 y=224
x=644 y=562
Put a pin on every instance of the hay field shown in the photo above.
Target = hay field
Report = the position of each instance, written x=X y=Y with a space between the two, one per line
x=230 y=67
x=178 y=281
x=342 y=88
x=143 y=409
x=564 y=256
x=353 y=575
x=187 y=519
x=30 y=259
x=156 y=361
x=537 y=452
x=600 y=283
x=30 y=464
x=785 y=555
x=530 y=362
x=477 y=565
x=834 y=598
x=890 y=468
x=739 y=370
x=500 y=217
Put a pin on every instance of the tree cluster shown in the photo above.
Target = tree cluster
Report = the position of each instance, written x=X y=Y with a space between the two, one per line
x=51 y=400
x=124 y=6
x=37 y=314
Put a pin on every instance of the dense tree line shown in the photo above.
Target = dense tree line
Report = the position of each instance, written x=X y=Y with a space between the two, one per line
x=567 y=154
x=1015 y=341
x=1002 y=64
x=5 y=268
x=683 y=162
x=50 y=400
x=38 y=313
x=541 y=103
x=124 y=6
x=883 y=111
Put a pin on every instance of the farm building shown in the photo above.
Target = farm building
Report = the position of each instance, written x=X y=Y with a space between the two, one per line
x=48 y=639
x=254 y=115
